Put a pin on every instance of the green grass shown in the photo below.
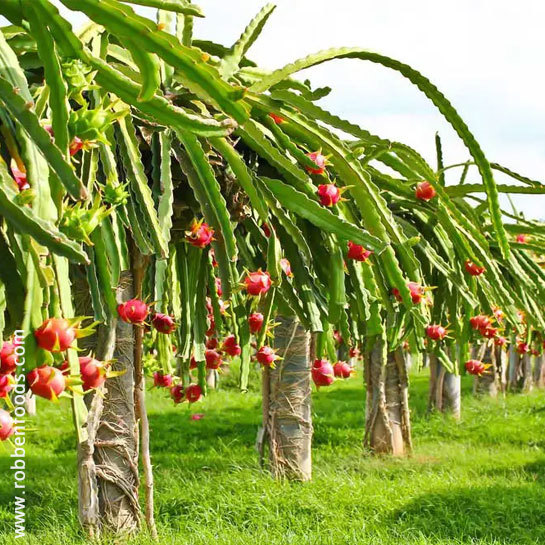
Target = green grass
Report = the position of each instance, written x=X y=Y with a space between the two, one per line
x=480 y=481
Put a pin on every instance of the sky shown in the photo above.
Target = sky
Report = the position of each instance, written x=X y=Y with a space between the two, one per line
x=486 y=56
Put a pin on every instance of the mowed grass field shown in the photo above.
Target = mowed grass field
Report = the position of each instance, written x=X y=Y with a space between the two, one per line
x=479 y=481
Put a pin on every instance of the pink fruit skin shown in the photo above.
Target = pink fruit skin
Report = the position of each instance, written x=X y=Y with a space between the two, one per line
x=164 y=323
x=75 y=146
x=258 y=283
x=436 y=332
x=177 y=393
x=475 y=367
x=500 y=341
x=286 y=267
x=255 y=320
x=213 y=359
x=201 y=235
x=8 y=358
x=480 y=321
x=46 y=381
x=162 y=381
x=322 y=373
x=92 y=373
x=231 y=347
x=55 y=335
x=266 y=356
x=417 y=292
x=329 y=194
x=212 y=343
x=219 y=289
x=488 y=332
x=193 y=393
x=342 y=370
x=319 y=160
x=6 y=425
x=134 y=311
x=20 y=177
x=357 y=252
x=7 y=383
x=211 y=328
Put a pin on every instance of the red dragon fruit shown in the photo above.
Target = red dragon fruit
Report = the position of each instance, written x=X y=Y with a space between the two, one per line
x=193 y=393
x=417 y=292
x=357 y=252
x=266 y=356
x=46 y=381
x=213 y=359
x=258 y=283
x=231 y=347
x=200 y=235
x=500 y=341
x=55 y=335
x=163 y=323
x=436 y=332
x=475 y=367
x=480 y=321
x=424 y=191
x=8 y=358
x=342 y=370
x=489 y=332
x=219 y=288
x=134 y=311
x=212 y=343
x=354 y=353
x=255 y=321
x=329 y=194
x=177 y=393
x=160 y=380
x=20 y=177
x=473 y=269
x=498 y=313
x=322 y=373
x=7 y=383
x=266 y=229
x=319 y=160
x=76 y=145
x=7 y=426
x=93 y=373
x=211 y=327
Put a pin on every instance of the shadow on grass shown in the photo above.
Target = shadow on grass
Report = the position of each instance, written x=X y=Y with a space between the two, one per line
x=510 y=515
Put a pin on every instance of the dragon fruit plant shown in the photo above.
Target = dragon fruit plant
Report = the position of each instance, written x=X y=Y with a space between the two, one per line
x=182 y=198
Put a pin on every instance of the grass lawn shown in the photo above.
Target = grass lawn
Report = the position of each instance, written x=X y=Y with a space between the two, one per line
x=480 y=481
